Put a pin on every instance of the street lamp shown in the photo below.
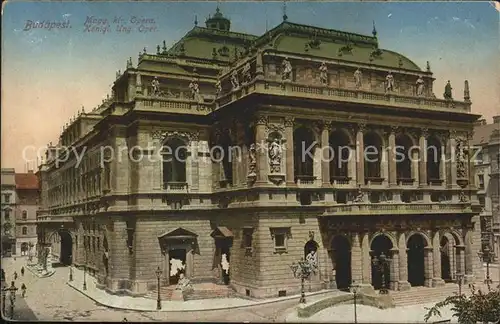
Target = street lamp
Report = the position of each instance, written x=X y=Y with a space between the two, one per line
x=381 y=264
x=70 y=273
x=12 y=289
x=355 y=290
x=486 y=256
x=158 y=273
x=303 y=270
x=459 y=278
x=85 y=272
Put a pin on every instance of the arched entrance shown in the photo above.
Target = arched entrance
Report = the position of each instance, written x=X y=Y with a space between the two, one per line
x=416 y=269
x=341 y=254
x=380 y=244
x=24 y=248
x=445 y=259
x=66 y=248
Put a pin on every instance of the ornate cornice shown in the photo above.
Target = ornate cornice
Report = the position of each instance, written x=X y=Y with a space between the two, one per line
x=162 y=135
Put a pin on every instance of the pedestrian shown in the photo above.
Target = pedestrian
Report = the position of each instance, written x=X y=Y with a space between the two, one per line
x=22 y=271
x=23 y=288
x=125 y=319
x=15 y=275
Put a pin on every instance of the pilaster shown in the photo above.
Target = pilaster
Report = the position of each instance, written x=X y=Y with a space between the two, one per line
x=422 y=164
x=289 y=122
x=391 y=157
x=325 y=158
x=403 y=283
x=261 y=149
x=436 y=280
x=360 y=156
x=428 y=266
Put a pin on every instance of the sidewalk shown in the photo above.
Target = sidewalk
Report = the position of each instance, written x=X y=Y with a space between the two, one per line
x=149 y=305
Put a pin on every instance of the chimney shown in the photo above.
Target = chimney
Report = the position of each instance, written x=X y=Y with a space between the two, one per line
x=496 y=119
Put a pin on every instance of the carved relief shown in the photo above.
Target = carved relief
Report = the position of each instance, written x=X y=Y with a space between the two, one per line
x=163 y=135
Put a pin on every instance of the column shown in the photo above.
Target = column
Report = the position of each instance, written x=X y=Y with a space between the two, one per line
x=422 y=164
x=360 y=156
x=469 y=257
x=325 y=158
x=451 y=172
x=428 y=266
x=437 y=280
x=290 y=181
x=460 y=258
x=356 y=259
x=367 y=264
x=351 y=165
x=394 y=269
x=261 y=149
x=403 y=283
x=391 y=157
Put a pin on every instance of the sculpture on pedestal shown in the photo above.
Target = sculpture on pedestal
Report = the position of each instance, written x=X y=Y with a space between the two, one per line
x=447 y=91
x=389 y=82
x=466 y=91
x=247 y=75
x=286 y=73
x=323 y=73
x=195 y=90
x=155 y=84
x=420 y=86
x=275 y=156
x=234 y=80
x=358 y=78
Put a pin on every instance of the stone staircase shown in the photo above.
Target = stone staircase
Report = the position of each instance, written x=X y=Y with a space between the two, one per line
x=200 y=291
x=423 y=295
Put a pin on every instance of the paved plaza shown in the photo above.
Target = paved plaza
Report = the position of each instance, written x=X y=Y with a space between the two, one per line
x=52 y=299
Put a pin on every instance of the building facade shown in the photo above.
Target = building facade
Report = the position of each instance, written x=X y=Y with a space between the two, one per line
x=229 y=156
x=8 y=212
x=487 y=142
x=27 y=193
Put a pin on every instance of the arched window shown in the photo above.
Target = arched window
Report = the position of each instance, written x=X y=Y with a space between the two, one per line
x=303 y=139
x=25 y=215
x=433 y=160
x=403 y=158
x=174 y=161
x=372 y=155
x=24 y=230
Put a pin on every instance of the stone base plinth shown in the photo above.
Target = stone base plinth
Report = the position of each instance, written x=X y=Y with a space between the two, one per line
x=403 y=285
x=437 y=282
x=177 y=295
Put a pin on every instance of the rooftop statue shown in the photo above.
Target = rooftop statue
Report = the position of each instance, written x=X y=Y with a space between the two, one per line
x=358 y=75
x=323 y=73
x=420 y=86
x=447 y=91
x=195 y=89
x=287 y=70
x=234 y=80
x=389 y=80
x=155 y=84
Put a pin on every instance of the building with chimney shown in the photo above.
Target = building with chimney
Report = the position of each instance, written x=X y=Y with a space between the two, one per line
x=486 y=168
x=8 y=209
x=212 y=158
x=27 y=193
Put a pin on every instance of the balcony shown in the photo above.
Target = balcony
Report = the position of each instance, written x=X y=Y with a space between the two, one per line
x=406 y=182
x=435 y=182
x=305 y=181
x=374 y=181
x=341 y=182
x=172 y=104
x=273 y=86
x=176 y=187
x=395 y=208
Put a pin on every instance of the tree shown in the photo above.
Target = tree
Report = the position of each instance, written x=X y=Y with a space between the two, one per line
x=478 y=307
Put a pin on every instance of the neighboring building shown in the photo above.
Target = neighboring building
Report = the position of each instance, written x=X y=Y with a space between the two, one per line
x=8 y=200
x=27 y=190
x=265 y=206
x=487 y=140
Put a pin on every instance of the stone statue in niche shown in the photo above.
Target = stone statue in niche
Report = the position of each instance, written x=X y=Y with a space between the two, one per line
x=275 y=153
x=358 y=75
x=247 y=74
x=323 y=73
x=155 y=84
x=286 y=73
x=234 y=80
x=389 y=82
x=447 y=91
x=312 y=259
x=218 y=88
x=461 y=157
x=420 y=86
x=252 y=160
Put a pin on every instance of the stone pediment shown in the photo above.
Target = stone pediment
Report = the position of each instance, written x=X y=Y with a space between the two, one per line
x=178 y=233
x=221 y=232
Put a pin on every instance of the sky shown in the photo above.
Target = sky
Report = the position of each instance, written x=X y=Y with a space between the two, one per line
x=48 y=75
